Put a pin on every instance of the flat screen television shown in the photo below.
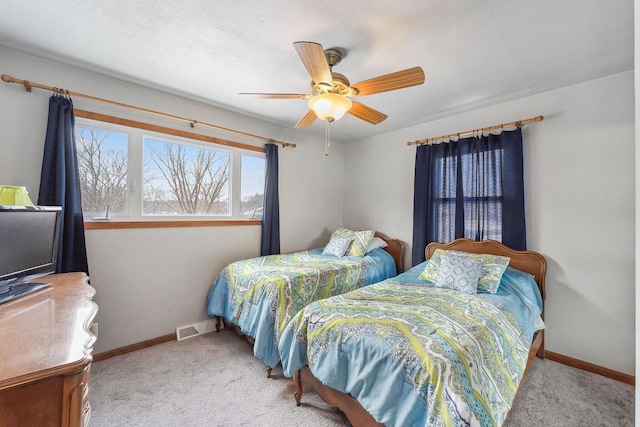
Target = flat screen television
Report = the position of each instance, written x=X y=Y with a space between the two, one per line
x=29 y=238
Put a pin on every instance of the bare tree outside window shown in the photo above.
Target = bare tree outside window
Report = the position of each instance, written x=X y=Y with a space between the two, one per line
x=177 y=178
x=180 y=179
x=102 y=166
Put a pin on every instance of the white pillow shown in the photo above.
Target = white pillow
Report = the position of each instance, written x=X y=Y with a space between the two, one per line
x=337 y=246
x=376 y=243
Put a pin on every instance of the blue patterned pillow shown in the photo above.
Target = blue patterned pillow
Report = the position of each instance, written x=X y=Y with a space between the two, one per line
x=459 y=273
x=493 y=267
x=432 y=269
x=361 y=240
x=337 y=246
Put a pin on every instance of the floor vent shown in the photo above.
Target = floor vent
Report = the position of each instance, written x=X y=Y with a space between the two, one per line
x=195 y=329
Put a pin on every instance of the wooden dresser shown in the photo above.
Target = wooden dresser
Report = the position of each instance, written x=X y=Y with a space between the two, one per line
x=46 y=349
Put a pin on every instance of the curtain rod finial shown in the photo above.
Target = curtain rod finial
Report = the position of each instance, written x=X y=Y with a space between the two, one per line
x=8 y=79
x=283 y=143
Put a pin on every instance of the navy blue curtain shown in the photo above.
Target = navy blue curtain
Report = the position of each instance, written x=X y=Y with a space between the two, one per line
x=270 y=243
x=60 y=184
x=471 y=188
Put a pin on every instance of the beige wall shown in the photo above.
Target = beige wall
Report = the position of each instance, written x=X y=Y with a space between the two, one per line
x=636 y=35
x=149 y=281
x=579 y=167
x=579 y=183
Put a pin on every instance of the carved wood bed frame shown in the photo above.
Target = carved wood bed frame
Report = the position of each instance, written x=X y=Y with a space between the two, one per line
x=527 y=261
x=394 y=247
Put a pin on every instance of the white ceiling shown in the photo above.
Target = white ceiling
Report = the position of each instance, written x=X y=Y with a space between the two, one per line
x=474 y=53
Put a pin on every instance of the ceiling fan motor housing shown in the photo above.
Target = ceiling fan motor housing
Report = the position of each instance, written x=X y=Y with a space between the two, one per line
x=341 y=86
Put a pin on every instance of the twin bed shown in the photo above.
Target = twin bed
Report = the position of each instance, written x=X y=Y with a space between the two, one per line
x=259 y=296
x=405 y=352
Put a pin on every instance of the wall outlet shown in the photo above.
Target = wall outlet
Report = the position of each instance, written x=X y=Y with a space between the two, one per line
x=94 y=329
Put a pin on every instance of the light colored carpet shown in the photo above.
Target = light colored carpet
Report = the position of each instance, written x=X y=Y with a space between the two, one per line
x=214 y=380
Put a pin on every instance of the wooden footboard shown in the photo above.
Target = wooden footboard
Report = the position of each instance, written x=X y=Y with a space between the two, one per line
x=355 y=413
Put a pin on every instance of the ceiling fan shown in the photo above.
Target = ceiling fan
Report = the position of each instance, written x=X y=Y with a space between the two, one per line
x=330 y=94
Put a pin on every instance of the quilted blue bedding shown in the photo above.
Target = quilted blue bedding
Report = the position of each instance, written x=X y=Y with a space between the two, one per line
x=416 y=355
x=261 y=295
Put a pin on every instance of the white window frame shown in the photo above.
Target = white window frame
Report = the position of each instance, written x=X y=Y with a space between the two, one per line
x=136 y=167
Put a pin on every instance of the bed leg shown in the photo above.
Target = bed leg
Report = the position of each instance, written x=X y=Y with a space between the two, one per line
x=218 y=320
x=541 y=352
x=298 y=392
x=268 y=372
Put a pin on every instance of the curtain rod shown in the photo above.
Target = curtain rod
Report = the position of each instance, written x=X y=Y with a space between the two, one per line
x=29 y=85
x=517 y=124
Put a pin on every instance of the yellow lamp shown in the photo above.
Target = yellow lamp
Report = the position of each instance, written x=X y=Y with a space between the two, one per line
x=14 y=195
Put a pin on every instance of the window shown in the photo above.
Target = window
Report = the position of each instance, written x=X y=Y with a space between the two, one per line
x=182 y=179
x=103 y=169
x=127 y=173
x=472 y=188
x=479 y=195
x=252 y=187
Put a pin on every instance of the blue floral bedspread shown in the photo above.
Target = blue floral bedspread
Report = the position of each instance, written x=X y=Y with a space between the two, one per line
x=261 y=295
x=416 y=355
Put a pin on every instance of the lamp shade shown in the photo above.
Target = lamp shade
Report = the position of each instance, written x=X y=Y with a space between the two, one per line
x=330 y=106
x=14 y=195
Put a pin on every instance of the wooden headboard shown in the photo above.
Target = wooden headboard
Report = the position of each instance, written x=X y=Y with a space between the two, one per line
x=395 y=249
x=527 y=261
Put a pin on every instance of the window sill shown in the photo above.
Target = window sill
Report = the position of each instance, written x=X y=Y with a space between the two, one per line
x=102 y=225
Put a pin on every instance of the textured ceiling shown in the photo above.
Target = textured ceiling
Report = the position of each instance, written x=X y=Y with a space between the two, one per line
x=474 y=53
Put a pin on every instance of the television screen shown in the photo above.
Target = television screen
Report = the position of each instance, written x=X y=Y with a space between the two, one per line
x=28 y=242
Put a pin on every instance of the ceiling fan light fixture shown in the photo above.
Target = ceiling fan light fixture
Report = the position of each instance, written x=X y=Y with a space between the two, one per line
x=330 y=106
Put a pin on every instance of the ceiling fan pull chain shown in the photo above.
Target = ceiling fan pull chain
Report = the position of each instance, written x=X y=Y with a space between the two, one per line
x=327 y=137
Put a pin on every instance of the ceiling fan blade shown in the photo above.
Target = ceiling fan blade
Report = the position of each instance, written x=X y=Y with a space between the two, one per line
x=398 y=80
x=276 y=95
x=307 y=120
x=312 y=56
x=367 y=114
